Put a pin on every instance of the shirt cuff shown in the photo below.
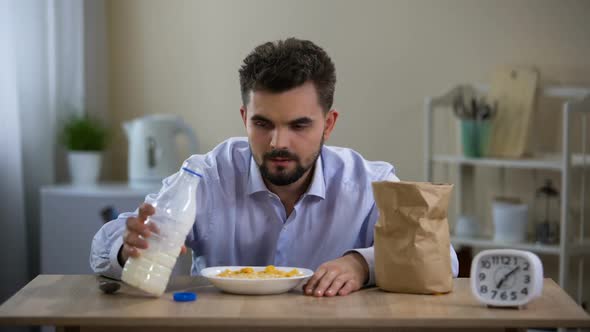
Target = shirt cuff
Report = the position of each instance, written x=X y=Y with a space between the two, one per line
x=369 y=256
x=115 y=269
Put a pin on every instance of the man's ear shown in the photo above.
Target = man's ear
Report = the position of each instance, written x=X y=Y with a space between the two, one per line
x=243 y=114
x=331 y=118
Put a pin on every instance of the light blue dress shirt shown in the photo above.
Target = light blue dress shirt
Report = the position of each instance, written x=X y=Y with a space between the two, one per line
x=240 y=222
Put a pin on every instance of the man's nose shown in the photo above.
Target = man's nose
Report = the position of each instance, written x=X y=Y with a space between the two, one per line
x=280 y=139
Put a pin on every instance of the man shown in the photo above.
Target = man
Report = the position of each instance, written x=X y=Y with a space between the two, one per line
x=280 y=197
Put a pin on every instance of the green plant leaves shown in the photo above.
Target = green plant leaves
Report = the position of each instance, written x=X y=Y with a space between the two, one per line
x=83 y=134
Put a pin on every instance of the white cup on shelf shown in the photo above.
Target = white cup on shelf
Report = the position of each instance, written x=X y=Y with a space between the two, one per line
x=510 y=220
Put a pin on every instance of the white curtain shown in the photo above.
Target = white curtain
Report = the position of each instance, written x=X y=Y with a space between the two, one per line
x=13 y=234
x=43 y=75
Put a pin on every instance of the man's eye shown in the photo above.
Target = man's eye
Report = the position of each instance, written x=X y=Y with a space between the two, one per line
x=299 y=126
x=261 y=124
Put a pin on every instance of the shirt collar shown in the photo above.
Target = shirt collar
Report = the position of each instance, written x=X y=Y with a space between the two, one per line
x=316 y=188
x=318 y=182
x=255 y=182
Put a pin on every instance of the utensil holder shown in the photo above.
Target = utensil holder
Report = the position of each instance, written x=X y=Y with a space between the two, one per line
x=475 y=137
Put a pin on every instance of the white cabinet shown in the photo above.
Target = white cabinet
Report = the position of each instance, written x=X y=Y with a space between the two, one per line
x=70 y=216
x=571 y=168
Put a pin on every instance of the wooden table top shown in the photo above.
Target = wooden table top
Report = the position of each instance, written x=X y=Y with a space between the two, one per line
x=68 y=300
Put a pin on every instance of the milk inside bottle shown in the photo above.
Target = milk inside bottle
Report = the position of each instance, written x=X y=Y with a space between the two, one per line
x=176 y=209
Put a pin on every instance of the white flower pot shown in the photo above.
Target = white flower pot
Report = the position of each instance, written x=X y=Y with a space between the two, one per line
x=84 y=167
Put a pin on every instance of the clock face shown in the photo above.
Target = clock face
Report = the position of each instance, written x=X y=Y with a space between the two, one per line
x=503 y=278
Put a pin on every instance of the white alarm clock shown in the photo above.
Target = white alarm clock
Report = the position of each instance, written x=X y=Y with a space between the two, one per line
x=506 y=277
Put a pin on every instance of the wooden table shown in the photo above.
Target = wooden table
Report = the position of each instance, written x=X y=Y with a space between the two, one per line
x=74 y=302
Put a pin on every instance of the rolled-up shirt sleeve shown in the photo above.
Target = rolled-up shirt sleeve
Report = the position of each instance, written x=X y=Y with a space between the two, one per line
x=106 y=245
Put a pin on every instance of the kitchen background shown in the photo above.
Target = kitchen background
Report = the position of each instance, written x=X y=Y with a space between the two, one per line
x=133 y=58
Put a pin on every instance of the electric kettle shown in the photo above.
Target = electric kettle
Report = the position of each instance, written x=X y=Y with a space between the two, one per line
x=153 y=153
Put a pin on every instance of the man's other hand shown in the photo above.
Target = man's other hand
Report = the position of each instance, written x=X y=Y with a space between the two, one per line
x=340 y=276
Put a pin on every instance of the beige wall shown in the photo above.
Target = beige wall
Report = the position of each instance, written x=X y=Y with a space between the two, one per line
x=182 y=57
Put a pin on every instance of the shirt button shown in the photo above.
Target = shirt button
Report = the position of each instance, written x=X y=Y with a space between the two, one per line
x=284 y=228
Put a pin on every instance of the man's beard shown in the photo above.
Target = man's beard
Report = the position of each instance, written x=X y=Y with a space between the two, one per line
x=283 y=178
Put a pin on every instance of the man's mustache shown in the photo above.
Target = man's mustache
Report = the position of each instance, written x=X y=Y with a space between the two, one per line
x=284 y=154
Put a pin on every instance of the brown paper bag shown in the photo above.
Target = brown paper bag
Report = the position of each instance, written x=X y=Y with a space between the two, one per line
x=412 y=239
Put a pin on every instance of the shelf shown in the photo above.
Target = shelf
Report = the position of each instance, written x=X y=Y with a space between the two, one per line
x=550 y=162
x=575 y=248
x=489 y=243
x=575 y=100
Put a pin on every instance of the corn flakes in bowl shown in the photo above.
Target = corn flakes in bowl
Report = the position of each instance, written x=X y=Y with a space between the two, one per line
x=256 y=280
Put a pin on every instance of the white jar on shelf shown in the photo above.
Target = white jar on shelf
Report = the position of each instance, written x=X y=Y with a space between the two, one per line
x=510 y=220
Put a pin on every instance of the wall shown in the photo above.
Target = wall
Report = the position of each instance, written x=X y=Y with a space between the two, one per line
x=182 y=57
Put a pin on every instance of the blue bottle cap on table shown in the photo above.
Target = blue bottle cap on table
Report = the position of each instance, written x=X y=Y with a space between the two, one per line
x=184 y=296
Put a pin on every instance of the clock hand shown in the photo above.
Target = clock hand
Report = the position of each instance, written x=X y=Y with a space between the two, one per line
x=507 y=276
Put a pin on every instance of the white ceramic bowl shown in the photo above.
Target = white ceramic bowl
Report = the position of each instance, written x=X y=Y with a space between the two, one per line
x=255 y=286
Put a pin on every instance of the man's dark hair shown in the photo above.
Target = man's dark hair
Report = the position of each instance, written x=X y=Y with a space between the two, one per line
x=286 y=64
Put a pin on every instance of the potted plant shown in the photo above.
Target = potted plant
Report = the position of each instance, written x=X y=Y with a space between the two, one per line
x=85 y=139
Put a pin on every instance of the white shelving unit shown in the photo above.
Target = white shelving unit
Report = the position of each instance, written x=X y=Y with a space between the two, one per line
x=572 y=243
